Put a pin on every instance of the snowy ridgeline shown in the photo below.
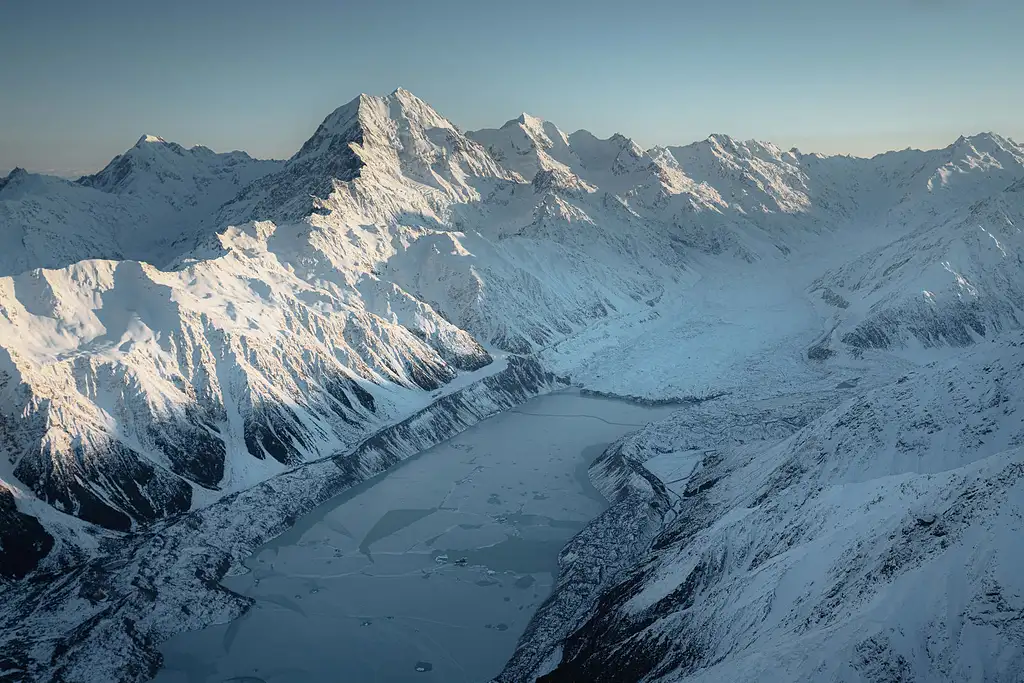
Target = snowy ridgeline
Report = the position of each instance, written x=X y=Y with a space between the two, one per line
x=184 y=325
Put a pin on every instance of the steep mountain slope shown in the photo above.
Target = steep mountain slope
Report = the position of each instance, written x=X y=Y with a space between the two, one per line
x=940 y=285
x=870 y=537
x=131 y=386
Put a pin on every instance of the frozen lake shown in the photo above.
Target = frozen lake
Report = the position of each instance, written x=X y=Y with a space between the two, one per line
x=429 y=572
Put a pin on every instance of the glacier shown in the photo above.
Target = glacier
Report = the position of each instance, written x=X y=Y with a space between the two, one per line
x=196 y=348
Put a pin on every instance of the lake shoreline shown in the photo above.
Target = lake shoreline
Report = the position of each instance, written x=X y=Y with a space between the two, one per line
x=488 y=552
x=106 y=617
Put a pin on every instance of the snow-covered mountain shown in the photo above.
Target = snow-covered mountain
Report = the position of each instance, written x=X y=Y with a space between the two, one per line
x=181 y=187
x=949 y=282
x=142 y=206
x=838 y=535
x=51 y=223
x=185 y=329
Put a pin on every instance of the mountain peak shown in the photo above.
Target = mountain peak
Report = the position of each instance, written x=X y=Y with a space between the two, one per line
x=987 y=144
x=526 y=121
x=722 y=140
x=398 y=135
x=15 y=173
x=148 y=139
x=406 y=98
x=531 y=121
x=982 y=137
x=351 y=121
x=340 y=127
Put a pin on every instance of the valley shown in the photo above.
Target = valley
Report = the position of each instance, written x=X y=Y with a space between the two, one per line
x=209 y=363
x=439 y=562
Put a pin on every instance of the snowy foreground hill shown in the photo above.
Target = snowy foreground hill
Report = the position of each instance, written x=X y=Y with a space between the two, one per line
x=197 y=348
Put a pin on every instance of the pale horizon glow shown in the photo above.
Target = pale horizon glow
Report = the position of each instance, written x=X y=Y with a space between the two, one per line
x=835 y=78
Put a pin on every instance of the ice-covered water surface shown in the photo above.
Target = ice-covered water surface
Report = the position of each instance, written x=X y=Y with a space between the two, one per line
x=429 y=572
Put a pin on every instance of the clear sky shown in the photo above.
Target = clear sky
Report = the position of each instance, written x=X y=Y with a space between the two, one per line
x=81 y=81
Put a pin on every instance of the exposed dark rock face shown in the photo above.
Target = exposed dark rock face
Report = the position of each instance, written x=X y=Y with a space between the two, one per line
x=273 y=429
x=24 y=540
x=310 y=175
x=195 y=449
x=106 y=484
x=831 y=297
x=468 y=361
x=820 y=352
x=956 y=323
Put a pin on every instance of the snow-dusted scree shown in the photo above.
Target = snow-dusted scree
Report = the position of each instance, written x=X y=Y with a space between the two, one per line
x=196 y=347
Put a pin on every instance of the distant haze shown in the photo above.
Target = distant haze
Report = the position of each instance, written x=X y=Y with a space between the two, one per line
x=80 y=82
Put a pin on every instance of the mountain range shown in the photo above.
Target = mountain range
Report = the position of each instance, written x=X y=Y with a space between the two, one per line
x=184 y=330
